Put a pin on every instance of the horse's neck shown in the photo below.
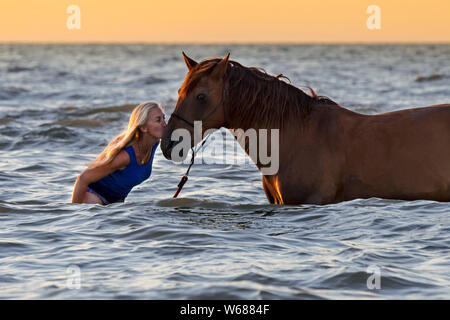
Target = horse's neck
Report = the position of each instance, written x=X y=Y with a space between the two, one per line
x=294 y=132
x=260 y=142
x=236 y=122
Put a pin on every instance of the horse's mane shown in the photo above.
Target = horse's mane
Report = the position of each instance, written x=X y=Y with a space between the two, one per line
x=257 y=97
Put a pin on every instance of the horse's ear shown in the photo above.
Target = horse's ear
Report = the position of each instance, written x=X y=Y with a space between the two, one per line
x=189 y=62
x=221 y=67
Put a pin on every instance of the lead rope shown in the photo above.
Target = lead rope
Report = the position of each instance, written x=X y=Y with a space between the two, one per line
x=185 y=177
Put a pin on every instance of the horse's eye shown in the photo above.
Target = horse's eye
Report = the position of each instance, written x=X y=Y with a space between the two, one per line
x=201 y=97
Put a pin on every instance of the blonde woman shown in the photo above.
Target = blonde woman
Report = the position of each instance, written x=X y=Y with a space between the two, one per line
x=126 y=161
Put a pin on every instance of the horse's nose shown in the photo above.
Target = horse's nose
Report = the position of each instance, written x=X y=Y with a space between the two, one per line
x=167 y=146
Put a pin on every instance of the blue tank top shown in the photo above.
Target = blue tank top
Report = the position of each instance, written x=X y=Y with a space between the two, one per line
x=116 y=186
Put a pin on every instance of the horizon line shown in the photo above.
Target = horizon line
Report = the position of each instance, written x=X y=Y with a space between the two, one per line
x=234 y=42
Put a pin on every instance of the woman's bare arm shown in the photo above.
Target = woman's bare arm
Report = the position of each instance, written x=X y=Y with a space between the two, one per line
x=91 y=175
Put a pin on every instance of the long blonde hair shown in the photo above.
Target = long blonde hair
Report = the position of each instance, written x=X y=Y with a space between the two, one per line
x=138 y=118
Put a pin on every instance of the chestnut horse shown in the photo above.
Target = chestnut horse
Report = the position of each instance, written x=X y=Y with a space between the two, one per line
x=327 y=153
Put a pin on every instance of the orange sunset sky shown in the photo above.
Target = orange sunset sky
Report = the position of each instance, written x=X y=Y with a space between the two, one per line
x=230 y=21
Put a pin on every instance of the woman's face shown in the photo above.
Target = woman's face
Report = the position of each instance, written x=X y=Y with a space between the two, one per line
x=155 y=124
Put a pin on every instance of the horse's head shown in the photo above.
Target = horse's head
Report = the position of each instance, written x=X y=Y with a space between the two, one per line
x=202 y=97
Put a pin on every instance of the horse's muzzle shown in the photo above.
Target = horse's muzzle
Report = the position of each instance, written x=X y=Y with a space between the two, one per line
x=166 y=146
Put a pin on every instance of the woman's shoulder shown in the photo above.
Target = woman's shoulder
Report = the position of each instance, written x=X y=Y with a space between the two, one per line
x=121 y=160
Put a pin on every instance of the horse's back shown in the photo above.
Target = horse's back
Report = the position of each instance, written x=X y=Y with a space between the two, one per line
x=420 y=112
x=425 y=126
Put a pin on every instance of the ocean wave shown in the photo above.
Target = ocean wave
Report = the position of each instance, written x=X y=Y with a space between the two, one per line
x=15 y=69
x=11 y=92
x=87 y=111
x=148 y=80
x=432 y=77
x=183 y=202
x=80 y=123
x=57 y=133
x=6 y=120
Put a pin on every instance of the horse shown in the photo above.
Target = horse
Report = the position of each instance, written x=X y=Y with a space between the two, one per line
x=327 y=153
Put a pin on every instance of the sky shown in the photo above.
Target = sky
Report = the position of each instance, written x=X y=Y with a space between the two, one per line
x=225 y=21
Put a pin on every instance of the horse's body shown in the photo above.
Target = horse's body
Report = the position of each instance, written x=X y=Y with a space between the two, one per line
x=342 y=155
x=327 y=153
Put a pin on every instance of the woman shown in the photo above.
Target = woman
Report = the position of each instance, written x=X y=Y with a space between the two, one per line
x=126 y=161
